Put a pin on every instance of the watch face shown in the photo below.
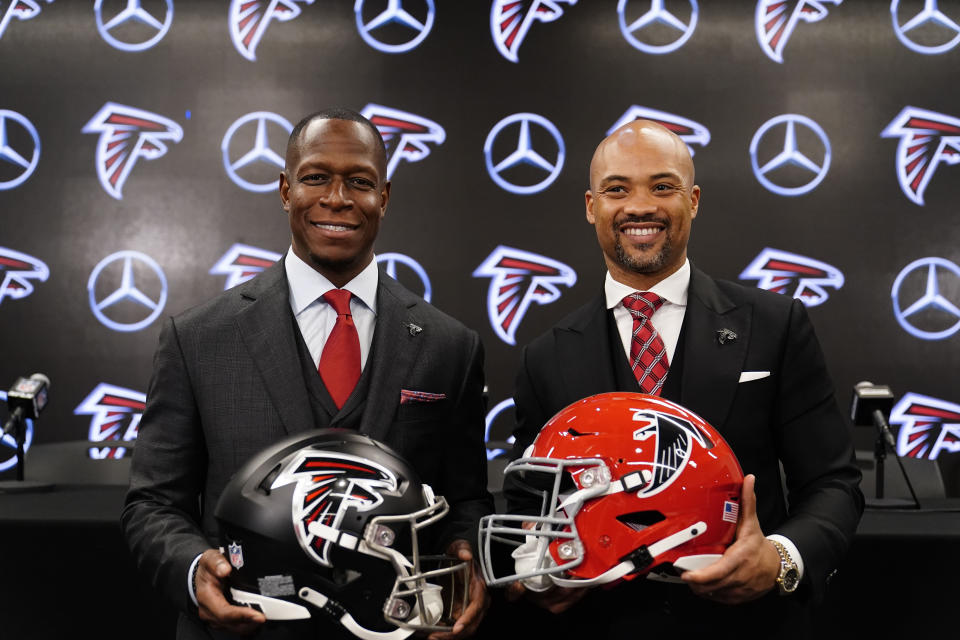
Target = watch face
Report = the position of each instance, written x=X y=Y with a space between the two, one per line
x=790 y=580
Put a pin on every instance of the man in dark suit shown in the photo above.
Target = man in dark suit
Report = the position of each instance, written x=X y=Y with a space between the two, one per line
x=240 y=372
x=746 y=360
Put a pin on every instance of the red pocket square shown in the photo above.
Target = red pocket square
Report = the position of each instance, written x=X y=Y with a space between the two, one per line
x=407 y=395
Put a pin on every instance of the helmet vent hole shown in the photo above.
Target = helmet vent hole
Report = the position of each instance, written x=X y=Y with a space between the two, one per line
x=640 y=520
x=267 y=482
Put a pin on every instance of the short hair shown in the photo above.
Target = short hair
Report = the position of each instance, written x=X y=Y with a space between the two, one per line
x=338 y=113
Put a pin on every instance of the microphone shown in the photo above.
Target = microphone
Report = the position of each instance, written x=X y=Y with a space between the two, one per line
x=26 y=399
x=870 y=406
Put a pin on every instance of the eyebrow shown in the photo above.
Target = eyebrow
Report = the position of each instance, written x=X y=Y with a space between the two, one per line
x=657 y=176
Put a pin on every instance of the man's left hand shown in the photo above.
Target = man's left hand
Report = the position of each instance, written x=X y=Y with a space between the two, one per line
x=469 y=619
x=748 y=568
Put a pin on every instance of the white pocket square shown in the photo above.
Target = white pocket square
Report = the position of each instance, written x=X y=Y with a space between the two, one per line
x=748 y=376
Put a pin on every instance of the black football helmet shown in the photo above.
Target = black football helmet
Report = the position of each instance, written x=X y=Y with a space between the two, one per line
x=330 y=521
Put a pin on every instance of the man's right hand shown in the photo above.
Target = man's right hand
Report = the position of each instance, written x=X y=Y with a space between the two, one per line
x=555 y=599
x=214 y=609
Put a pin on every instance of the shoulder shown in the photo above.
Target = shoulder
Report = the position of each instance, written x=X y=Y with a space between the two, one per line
x=270 y=286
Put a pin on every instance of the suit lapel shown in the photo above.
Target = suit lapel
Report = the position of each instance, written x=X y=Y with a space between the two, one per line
x=395 y=347
x=583 y=350
x=266 y=328
x=711 y=369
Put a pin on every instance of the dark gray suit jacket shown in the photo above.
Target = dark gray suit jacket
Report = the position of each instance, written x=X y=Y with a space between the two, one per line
x=790 y=417
x=228 y=382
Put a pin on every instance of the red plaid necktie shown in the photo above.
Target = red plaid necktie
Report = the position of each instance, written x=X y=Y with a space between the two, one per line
x=648 y=355
x=340 y=360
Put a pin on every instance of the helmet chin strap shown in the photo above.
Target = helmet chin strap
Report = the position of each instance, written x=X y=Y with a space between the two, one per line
x=321 y=601
x=628 y=565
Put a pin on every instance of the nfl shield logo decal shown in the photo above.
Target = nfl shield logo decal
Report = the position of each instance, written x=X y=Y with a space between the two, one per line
x=236 y=555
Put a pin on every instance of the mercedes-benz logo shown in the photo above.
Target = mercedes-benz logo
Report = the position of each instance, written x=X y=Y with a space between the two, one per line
x=656 y=30
x=127 y=291
x=395 y=19
x=791 y=162
x=498 y=446
x=260 y=162
x=134 y=28
x=524 y=153
x=390 y=262
x=12 y=138
x=8 y=444
x=924 y=296
x=928 y=32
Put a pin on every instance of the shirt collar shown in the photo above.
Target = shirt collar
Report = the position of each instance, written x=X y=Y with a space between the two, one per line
x=307 y=284
x=673 y=288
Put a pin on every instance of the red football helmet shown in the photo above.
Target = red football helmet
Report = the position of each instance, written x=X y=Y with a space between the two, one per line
x=628 y=484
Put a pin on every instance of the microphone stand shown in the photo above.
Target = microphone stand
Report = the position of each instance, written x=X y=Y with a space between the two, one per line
x=19 y=433
x=884 y=437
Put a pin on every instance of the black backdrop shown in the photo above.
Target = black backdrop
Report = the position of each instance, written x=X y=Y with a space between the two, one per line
x=843 y=67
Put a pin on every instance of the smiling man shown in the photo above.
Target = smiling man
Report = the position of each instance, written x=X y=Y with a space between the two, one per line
x=322 y=339
x=744 y=359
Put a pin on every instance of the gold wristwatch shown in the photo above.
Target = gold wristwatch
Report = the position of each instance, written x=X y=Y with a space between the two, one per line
x=789 y=576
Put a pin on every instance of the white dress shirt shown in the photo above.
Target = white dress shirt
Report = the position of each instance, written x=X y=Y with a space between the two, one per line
x=316 y=317
x=667 y=320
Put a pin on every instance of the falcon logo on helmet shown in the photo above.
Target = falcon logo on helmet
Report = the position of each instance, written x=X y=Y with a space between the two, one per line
x=672 y=439
x=249 y=20
x=928 y=426
x=786 y=273
x=18 y=269
x=127 y=134
x=241 y=263
x=926 y=139
x=775 y=21
x=689 y=131
x=406 y=136
x=328 y=485
x=510 y=20
x=519 y=278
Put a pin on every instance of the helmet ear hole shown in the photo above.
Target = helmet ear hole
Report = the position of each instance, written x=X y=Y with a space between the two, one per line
x=640 y=520
x=267 y=483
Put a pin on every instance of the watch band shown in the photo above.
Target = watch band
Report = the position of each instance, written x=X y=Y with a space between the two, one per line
x=789 y=577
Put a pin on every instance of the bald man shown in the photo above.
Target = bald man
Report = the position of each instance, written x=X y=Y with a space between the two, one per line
x=240 y=372
x=642 y=203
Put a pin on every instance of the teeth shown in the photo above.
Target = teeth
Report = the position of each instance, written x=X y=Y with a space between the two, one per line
x=331 y=227
x=643 y=231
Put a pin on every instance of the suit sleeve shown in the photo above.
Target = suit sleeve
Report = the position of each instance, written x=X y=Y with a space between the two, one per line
x=162 y=507
x=465 y=463
x=823 y=493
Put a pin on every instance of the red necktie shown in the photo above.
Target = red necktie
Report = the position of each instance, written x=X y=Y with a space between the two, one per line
x=648 y=355
x=340 y=361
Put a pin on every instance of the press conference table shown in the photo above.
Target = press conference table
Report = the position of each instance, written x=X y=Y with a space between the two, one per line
x=64 y=568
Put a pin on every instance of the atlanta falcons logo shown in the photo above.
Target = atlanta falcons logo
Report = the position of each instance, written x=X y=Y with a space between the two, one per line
x=775 y=21
x=328 y=486
x=241 y=263
x=926 y=138
x=21 y=10
x=18 y=269
x=510 y=20
x=249 y=20
x=518 y=279
x=670 y=441
x=689 y=131
x=928 y=426
x=406 y=135
x=790 y=274
x=116 y=417
x=127 y=134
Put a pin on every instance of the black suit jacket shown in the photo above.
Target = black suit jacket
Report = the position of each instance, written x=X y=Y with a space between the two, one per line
x=789 y=417
x=227 y=382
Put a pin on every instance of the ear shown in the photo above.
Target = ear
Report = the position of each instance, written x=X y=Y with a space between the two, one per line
x=384 y=198
x=694 y=201
x=588 y=202
x=284 y=191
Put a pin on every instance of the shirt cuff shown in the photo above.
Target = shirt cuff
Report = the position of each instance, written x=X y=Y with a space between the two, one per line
x=190 y=579
x=791 y=549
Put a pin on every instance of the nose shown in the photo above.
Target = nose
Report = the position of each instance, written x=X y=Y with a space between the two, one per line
x=335 y=196
x=639 y=203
